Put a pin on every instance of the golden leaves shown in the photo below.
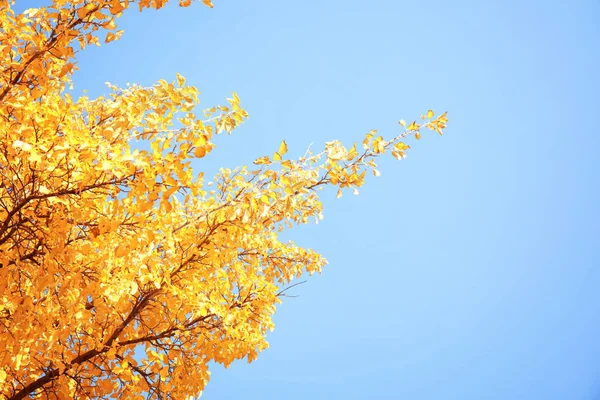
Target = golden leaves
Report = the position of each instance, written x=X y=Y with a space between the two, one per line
x=180 y=80
x=134 y=288
x=110 y=36
x=200 y=152
x=121 y=251
x=85 y=11
x=116 y=7
x=265 y=160
x=153 y=196
x=282 y=150
x=18 y=144
x=413 y=126
x=439 y=124
x=109 y=240
x=335 y=150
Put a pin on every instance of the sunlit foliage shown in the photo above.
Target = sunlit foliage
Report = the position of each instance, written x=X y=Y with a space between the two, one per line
x=123 y=273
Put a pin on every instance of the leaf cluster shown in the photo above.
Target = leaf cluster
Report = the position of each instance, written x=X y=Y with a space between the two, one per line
x=122 y=272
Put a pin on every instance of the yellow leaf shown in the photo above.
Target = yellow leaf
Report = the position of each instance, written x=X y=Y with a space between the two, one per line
x=113 y=36
x=283 y=148
x=276 y=157
x=401 y=146
x=200 y=152
x=17 y=144
x=134 y=288
x=18 y=359
x=286 y=164
x=402 y=122
x=414 y=126
x=180 y=80
x=262 y=161
x=339 y=193
x=164 y=373
x=208 y=3
x=418 y=135
x=35 y=156
x=152 y=196
x=264 y=198
x=168 y=206
x=121 y=251
x=81 y=13
x=430 y=114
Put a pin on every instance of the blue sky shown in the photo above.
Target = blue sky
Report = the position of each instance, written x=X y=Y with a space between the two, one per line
x=470 y=270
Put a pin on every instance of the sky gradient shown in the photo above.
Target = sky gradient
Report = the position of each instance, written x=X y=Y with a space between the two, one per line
x=471 y=269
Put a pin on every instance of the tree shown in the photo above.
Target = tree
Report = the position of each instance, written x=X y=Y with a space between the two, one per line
x=122 y=273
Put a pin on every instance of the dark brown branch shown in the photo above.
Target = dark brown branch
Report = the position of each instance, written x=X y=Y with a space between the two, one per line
x=55 y=373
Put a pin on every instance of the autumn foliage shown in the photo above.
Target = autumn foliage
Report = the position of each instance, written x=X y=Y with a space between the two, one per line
x=123 y=273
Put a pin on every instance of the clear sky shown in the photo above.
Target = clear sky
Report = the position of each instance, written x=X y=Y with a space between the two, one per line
x=470 y=270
